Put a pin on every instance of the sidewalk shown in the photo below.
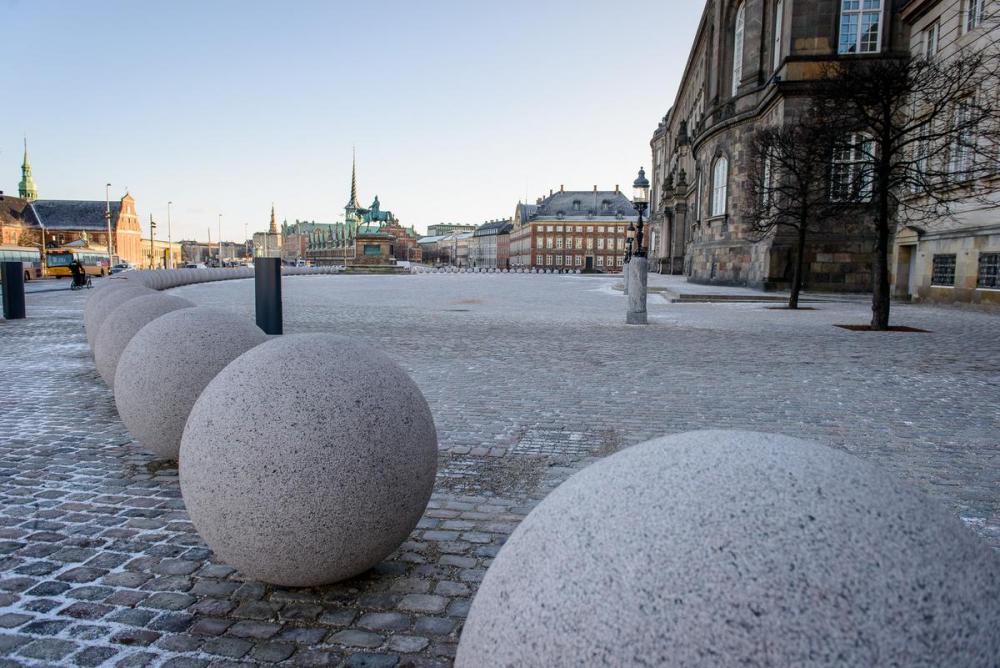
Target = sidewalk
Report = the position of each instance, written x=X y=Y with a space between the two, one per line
x=678 y=289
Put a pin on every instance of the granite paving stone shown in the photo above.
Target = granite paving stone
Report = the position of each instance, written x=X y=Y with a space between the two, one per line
x=96 y=547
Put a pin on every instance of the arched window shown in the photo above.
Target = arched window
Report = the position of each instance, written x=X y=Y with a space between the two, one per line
x=779 y=15
x=738 y=30
x=720 y=178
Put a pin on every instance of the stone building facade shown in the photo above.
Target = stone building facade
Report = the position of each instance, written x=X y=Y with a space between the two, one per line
x=572 y=229
x=954 y=258
x=755 y=63
x=489 y=247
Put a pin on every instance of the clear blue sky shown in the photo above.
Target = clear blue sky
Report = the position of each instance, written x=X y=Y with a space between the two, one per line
x=457 y=108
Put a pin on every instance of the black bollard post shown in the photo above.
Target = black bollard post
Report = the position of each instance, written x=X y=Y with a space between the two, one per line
x=267 y=285
x=12 y=276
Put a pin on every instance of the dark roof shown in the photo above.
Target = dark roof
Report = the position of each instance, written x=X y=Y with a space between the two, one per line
x=573 y=203
x=493 y=227
x=12 y=211
x=72 y=214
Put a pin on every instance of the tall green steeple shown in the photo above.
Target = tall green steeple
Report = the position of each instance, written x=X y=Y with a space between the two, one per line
x=26 y=189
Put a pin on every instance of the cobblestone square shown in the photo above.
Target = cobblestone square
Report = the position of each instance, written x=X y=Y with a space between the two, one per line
x=529 y=378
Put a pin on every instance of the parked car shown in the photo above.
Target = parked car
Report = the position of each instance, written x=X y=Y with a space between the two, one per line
x=124 y=266
x=195 y=265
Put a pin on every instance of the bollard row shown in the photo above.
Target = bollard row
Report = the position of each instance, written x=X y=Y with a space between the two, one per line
x=306 y=497
x=485 y=270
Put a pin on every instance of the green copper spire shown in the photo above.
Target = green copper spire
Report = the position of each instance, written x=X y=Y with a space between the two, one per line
x=26 y=189
x=353 y=204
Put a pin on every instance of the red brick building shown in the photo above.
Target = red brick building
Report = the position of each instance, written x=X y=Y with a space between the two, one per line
x=572 y=230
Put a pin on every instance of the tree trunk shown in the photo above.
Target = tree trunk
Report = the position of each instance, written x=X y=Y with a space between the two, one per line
x=880 y=265
x=793 y=297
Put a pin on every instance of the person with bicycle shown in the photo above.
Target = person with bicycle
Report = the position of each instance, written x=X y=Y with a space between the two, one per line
x=79 y=273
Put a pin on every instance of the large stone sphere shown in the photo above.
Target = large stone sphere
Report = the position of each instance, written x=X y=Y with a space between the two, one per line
x=167 y=364
x=124 y=323
x=105 y=300
x=736 y=548
x=308 y=459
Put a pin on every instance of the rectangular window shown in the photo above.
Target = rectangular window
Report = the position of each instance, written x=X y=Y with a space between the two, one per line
x=989 y=271
x=851 y=170
x=549 y=229
x=539 y=259
x=559 y=259
x=579 y=229
x=559 y=242
x=590 y=243
x=963 y=146
x=600 y=244
x=931 y=34
x=548 y=259
x=579 y=243
x=621 y=261
x=559 y=228
x=944 y=270
x=578 y=261
x=550 y=242
x=600 y=260
x=973 y=14
x=861 y=26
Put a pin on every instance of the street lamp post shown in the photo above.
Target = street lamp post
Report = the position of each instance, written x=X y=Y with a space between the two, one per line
x=170 y=241
x=220 y=240
x=107 y=219
x=152 y=246
x=638 y=264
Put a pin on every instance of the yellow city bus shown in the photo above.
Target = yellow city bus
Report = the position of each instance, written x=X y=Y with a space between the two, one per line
x=30 y=259
x=94 y=261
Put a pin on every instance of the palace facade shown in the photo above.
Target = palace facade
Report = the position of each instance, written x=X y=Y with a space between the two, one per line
x=572 y=229
x=756 y=63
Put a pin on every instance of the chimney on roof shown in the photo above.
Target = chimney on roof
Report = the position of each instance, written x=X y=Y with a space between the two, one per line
x=595 y=188
x=538 y=201
x=550 y=192
x=562 y=188
x=616 y=188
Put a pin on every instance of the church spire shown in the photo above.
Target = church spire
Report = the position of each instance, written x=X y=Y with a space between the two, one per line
x=354 y=204
x=274 y=225
x=26 y=189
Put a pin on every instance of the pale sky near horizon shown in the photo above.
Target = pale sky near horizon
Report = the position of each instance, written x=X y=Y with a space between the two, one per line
x=458 y=109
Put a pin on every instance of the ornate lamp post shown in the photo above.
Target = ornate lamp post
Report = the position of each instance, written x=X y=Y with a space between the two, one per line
x=640 y=200
x=636 y=268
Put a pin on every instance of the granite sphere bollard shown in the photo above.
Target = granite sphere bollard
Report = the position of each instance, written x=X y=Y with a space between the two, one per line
x=124 y=323
x=105 y=301
x=736 y=548
x=334 y=473
x=168 y=363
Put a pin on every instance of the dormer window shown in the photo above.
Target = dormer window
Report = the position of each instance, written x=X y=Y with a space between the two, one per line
x=605 y=205
x=576 y=205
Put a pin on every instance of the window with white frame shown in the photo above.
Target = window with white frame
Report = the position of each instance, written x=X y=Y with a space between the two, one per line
x=590 y=243
x=600 y=244
x=720 y=177
x=960 y=154
x=861 y=26
x=931 y=35
x=559 y=242
x=851 y=169
x=621 y=261
x=559 y=259
x=579 y=260
x=739 y=29
x=539 y=259
x=973 y=14
x=779 y=15
x=548 y=259
x=600 y=260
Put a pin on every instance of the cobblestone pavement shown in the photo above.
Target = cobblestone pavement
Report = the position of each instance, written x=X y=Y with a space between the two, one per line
x=529 y=378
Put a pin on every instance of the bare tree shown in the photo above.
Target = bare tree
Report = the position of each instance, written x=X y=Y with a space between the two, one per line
x=919 y=136
x=787 y=187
